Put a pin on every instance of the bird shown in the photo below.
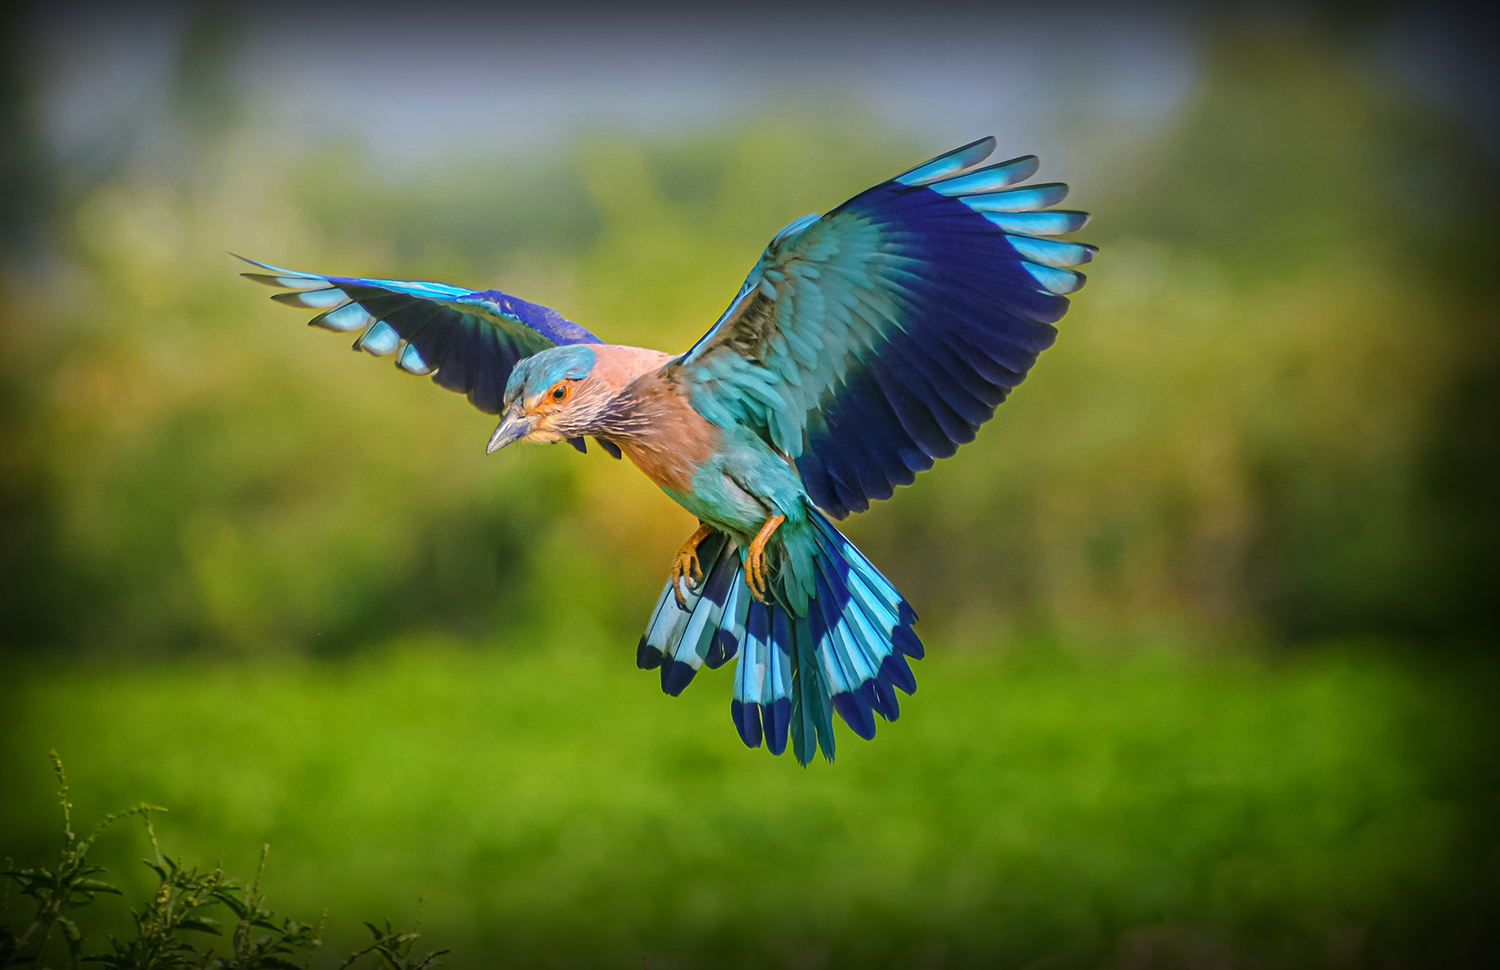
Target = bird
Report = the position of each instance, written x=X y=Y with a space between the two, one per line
x=864 y=344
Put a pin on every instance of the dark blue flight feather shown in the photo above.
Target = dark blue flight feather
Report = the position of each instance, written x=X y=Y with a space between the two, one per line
x=468 y=340
x=894 y=325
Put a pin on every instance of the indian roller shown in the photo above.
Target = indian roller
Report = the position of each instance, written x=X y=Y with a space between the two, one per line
x=865 y=343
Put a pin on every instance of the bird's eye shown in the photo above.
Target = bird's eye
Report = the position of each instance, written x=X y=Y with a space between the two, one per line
x=560 y=393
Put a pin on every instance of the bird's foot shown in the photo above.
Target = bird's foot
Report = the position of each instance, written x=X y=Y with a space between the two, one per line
x=686 y=572
x=755 y=559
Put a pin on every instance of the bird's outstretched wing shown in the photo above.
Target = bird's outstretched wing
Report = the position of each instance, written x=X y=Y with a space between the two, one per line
x=872 y=340
x=468 y=340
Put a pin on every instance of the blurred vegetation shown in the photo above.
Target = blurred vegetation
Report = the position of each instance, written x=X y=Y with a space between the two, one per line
x=249 y=575
x=1268 y=412
x=1334 y=808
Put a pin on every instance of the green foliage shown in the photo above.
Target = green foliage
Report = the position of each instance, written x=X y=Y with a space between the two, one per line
x=1290 y=810
x=394 y=948
x=58 y=891
x=170 y=925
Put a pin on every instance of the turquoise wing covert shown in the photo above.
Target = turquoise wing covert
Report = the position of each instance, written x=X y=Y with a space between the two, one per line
x=468 y=340
x=875 y=339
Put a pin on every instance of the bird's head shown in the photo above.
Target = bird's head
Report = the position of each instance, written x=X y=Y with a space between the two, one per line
x=549 y=398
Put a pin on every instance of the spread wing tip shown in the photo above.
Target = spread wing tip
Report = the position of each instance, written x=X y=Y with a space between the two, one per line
x=287 y=279
x=949 y=163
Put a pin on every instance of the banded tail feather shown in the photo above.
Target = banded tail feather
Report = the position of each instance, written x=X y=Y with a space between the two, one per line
x=847 y=654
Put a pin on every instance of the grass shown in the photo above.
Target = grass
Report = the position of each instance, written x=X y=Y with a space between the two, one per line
x=555 y=809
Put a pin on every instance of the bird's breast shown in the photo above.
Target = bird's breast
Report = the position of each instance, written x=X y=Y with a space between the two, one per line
x=670 y=441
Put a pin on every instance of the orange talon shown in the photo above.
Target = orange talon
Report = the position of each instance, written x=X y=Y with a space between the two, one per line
x=685 y=565
x=755 y=558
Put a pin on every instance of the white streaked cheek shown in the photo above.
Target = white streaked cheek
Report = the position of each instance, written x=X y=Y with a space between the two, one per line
x=544 y=434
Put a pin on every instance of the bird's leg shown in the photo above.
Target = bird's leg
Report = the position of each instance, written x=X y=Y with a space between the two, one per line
x=685 y=565
x=755 y=558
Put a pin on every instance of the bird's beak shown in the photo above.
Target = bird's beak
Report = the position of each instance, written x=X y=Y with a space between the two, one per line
x=512 y=427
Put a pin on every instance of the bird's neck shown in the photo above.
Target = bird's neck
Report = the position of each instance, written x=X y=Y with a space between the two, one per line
x=619 y=401
x=639 y=412
x=659 y=431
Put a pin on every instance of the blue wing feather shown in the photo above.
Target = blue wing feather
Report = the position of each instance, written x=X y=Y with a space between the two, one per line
x=468 y=340
x=949 y=164
x=870 y=342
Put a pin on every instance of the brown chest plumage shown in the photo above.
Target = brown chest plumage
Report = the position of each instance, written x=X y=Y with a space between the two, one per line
x=669 y=440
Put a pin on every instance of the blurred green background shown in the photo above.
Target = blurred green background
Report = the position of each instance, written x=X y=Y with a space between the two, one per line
x=1209 y=606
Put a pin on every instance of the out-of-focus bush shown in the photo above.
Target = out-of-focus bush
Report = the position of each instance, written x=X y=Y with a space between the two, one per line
x=1266 y=411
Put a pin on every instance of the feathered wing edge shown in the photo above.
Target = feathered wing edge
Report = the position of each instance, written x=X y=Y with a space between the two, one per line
x=467 y=340
x=847 y=655
x=873 y=340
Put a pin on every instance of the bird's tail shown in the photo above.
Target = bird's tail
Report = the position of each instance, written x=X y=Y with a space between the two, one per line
x=845 y=653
